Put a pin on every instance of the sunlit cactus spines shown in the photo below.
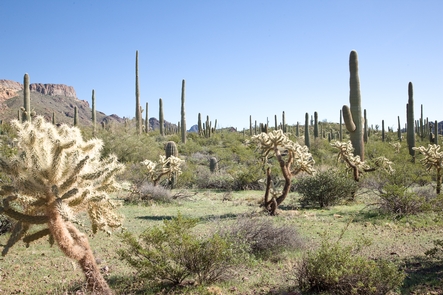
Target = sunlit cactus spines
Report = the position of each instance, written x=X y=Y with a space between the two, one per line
x=56 y=176
x=410 y=121
x=165 y=167
x=26 y=111
x=433 y=159
x=294 y=160
x=353 y=115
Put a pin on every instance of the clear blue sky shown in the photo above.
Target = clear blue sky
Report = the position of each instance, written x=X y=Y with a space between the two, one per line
x=238 y=57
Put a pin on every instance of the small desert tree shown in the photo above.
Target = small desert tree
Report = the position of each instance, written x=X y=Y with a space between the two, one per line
x=433 y=160
x=292 y=158
x=55 y=176
x=165 y=167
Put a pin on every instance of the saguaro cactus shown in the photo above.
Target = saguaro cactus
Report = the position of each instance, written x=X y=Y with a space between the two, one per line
x=315 y=124
x=410 y=121
x=93 y=113
x=75 y=116
x=56 y=176
x=138 y=116
x=307 y=140
x=213 y=164
x=160 y=117
x=26 y=112
x=171 y=151
x=183 y=117
x=353 y=115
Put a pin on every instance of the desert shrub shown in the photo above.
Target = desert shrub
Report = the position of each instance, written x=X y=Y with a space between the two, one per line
x=325 y=188
x=400 y=200
x=336 y=269
x=263 y=238
x=437 y=250
x=147 y=193
x=172 y=253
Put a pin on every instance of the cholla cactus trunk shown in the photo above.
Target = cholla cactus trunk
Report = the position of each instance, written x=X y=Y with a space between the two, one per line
x=26 y=113
x=55 y=177
x=161 y=118
x=353 y=115
x=410 y=121
x=315 y=125
x=94 y=119
x=138 y=116
x=75 y=116
x=183 y=116
x=307 y=140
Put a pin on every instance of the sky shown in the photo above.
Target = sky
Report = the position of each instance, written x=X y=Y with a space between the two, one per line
x=239 y=58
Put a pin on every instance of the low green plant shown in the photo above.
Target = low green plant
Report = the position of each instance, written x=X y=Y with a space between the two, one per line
x=325 y=188
x=172 y=253
x=338 y=269
x=401 y=201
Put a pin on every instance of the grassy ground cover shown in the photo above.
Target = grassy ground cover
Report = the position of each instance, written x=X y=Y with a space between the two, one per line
x=41 y=269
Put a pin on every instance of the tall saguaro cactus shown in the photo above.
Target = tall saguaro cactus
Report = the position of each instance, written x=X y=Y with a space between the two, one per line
x=410 y=121
x=138 y=117
x=26 y=113
x=160 y=117
x=75 y=116
x=315 y=124
x=94 y=119
x=183 y=117
x=353 y=115
x=307 y=140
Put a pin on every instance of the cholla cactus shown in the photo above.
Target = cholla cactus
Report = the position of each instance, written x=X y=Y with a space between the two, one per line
x=55 y=176
x=165 y=167
x=433 y=159
x=354 y=163
x=396 y=146
x=292 y=157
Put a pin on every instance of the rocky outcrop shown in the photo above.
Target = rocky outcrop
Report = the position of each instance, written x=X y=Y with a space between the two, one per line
x=53 y=89
x=10 y=89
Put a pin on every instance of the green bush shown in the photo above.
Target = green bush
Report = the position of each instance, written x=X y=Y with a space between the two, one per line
x=172 y=253
x=325 y=188
x=147 y=193
x=335 y=269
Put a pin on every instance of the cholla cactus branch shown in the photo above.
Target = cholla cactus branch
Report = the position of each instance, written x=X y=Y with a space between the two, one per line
x=433 y=160
x=292 y=158
x=55 y=176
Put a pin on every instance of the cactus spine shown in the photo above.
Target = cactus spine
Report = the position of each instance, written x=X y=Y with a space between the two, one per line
x=26 y=113
x=307 y=140
x=94 y=119
x=353 y=115
x=161 y=118
x=410 y=121
x=138 y=117
x=183 y=117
